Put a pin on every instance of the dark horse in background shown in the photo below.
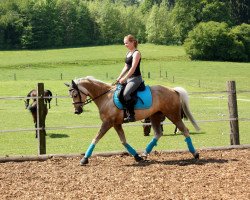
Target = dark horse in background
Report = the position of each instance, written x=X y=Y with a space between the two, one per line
x=33 y=106
x=147 y=127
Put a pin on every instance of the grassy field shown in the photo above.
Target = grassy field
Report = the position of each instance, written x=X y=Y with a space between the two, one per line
x=167 y=65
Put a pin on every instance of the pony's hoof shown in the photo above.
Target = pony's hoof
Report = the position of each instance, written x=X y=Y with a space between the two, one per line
x=84 y=161
x=144 y=155
x=196 y=155
x=138 y=158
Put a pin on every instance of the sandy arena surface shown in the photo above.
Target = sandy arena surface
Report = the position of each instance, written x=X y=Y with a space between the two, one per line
x=217 y=175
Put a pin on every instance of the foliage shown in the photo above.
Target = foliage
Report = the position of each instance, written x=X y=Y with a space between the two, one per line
x=216 y=11
x=242 y=35
x=45 y=24
x=41 y=24
x=187 y=14
x=109 y=21
x=214 y=41
x=184 y=17
x=158 y=28
x=133 y=23
x=240 y=11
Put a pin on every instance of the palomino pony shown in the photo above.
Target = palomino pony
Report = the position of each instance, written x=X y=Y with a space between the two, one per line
x=33 y=107
x=166 y=101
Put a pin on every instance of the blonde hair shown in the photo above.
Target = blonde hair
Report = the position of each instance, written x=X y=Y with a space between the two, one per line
x=131 y=38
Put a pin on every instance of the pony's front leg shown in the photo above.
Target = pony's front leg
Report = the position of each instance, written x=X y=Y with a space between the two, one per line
x=104 y=128
x=130 y=149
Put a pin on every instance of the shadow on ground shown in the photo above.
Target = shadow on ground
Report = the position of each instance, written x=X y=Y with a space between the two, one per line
x=183 y=162
x=57 y=135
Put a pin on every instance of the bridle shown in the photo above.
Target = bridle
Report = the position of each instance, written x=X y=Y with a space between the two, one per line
x=88 y=100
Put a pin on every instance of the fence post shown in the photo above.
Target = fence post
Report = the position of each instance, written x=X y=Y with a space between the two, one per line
x=233 y=113
x=56 y=100
x=41 y=113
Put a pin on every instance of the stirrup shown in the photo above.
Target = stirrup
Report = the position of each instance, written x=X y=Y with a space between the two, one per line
x=129 y=119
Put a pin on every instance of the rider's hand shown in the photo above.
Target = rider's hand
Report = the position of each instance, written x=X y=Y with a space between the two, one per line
x=122 y=80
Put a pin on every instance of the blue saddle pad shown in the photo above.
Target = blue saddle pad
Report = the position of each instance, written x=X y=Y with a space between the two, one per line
x=144 y=99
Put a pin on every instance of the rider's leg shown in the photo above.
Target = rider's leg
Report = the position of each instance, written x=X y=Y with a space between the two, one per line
x=132 y=84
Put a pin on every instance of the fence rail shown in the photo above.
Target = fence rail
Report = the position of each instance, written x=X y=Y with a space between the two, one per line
x=125 y=125
x=232 y=119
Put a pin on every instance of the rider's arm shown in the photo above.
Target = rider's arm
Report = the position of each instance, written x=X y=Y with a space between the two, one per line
x=124 y=71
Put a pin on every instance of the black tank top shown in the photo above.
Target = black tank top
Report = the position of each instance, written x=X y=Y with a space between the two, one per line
x=129 y=61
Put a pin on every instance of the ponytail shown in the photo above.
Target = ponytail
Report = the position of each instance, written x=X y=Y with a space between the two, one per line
x=131 y=38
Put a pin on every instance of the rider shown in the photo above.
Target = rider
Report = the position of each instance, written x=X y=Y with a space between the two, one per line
x=131 y=75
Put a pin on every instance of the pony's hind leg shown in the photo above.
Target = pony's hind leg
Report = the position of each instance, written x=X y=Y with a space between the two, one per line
x=156 y=124
x=180 y=125
x=130 y=149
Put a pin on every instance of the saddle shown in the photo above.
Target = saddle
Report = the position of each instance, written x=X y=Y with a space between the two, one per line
x=142 y=97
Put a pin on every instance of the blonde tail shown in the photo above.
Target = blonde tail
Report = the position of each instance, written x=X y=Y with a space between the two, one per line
x=185 y=106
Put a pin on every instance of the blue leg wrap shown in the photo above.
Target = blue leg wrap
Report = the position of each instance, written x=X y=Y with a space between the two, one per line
x=190 y=145
x=151 y=145
x=130 y=149
x=90 y=150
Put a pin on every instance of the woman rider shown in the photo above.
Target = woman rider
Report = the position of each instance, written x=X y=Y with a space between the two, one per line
x=131 y=75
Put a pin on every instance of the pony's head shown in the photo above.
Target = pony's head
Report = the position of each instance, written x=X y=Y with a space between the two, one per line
x=32 y=93
x=78 y=96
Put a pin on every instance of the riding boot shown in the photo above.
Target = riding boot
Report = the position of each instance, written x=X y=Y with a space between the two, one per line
x=130 y=111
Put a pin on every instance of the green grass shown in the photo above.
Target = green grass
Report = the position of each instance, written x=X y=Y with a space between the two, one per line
x=22 y=70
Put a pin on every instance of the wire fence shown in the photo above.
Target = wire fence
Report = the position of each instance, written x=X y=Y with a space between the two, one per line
x=207 y=107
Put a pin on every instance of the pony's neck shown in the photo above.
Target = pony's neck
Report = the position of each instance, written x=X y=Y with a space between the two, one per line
x=94 y=87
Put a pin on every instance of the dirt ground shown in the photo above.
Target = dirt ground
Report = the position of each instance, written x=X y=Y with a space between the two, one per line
x=217 y=175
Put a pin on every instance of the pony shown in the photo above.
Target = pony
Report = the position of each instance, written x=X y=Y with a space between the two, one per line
x=165 y=101
x=33 y=106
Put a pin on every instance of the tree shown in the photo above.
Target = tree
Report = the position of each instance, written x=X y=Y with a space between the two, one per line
x=109 y=21
x=184 y=16
x=213 y=41
x=74 y=24
x=241 y=33
x=158 y=27
x=240 y=11
x=217 y=11
x=43 y=22
x=133 y=22
x=11 y=24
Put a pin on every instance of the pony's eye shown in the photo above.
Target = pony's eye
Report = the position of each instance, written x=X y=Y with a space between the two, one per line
x=75 y=95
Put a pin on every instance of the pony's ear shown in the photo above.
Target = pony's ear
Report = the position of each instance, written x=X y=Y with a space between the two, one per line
x=67 y=84
x=74 y=85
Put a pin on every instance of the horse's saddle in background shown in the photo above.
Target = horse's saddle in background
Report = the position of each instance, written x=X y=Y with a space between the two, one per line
x=144 y=98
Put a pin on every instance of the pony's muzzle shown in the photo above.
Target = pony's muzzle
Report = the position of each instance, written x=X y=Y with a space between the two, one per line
x=78 y=110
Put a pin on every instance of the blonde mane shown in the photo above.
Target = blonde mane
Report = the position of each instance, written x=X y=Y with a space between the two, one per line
x=90 y=78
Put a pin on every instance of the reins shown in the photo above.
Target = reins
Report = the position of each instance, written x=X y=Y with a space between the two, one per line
x=89 y=100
